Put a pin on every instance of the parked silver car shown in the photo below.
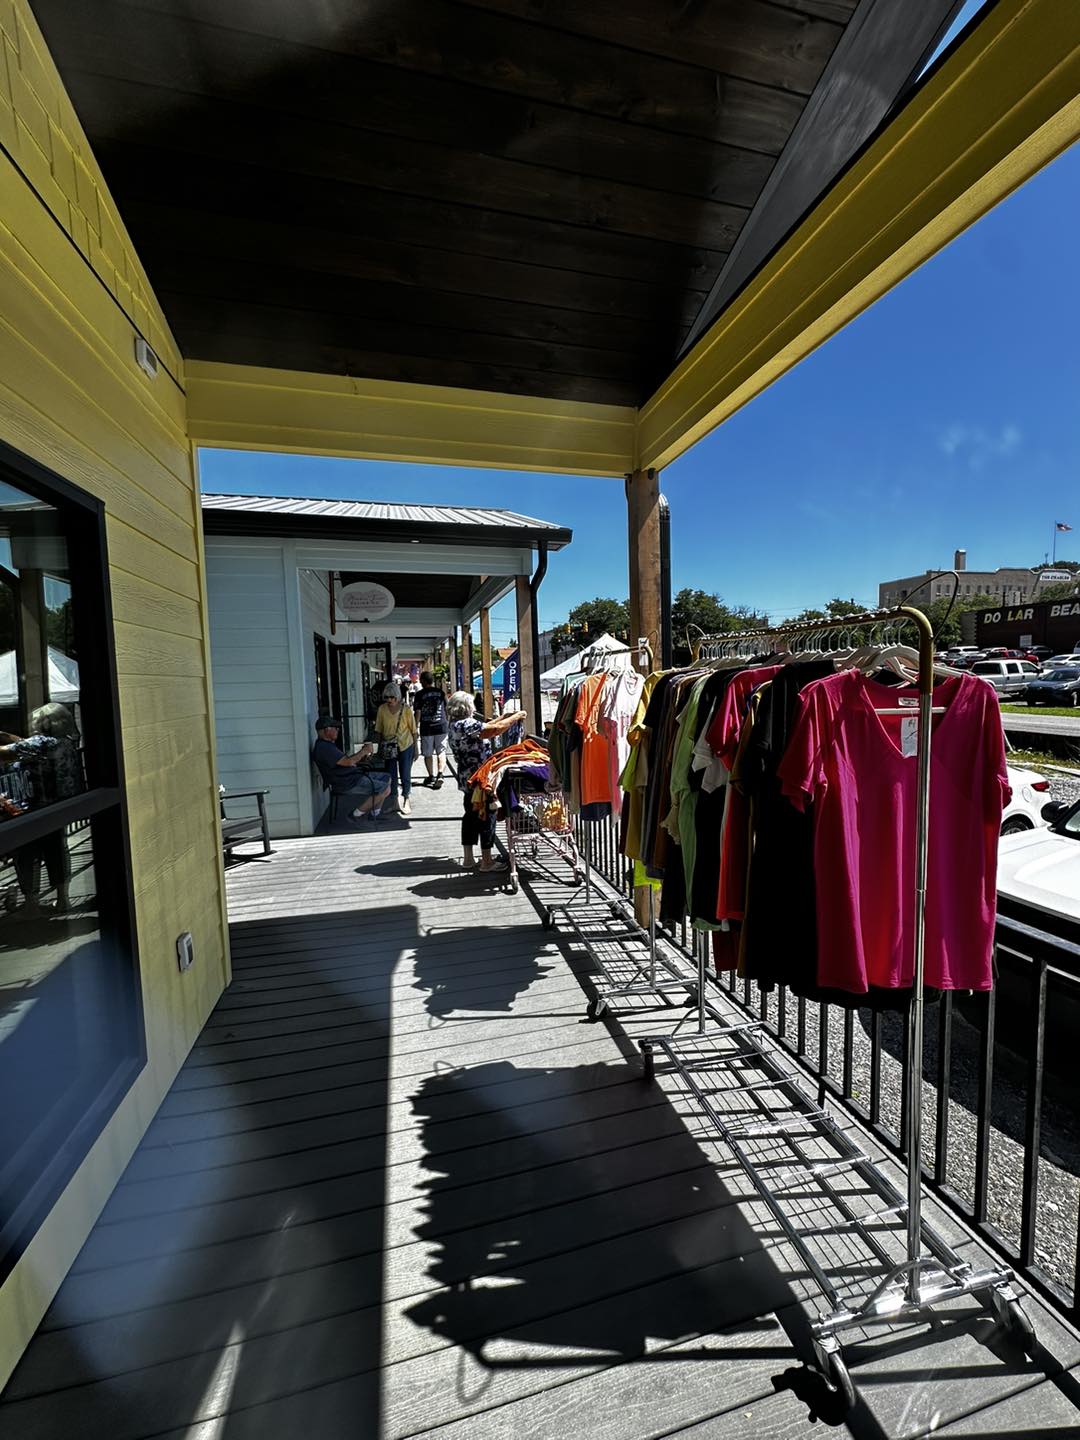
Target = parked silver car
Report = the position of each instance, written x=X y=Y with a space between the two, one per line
x=1006 y=676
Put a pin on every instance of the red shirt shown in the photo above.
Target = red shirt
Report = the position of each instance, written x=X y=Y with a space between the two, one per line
x=723 y=737
x=859 y=769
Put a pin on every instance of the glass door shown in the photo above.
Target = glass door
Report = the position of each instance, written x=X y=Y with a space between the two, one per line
x=359 y=674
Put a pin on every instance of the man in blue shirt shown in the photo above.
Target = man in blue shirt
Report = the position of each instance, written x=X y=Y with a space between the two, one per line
x=339 y=772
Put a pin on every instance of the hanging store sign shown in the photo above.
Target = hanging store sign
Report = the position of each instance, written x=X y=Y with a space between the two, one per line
x=511 y=685
x=1055 y=577
x=364 y=600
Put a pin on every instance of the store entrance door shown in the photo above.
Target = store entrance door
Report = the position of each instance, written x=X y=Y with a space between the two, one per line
x=358 y=675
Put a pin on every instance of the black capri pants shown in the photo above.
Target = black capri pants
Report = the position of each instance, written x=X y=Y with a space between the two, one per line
x=474 y=829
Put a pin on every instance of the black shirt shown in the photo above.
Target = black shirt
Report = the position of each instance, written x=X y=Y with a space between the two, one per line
x=430 y=707
x=780 y=930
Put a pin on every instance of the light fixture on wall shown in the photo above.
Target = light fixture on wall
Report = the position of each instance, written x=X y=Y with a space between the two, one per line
x=145 y=358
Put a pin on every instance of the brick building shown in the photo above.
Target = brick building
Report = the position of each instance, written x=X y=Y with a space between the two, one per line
x=1012 y=585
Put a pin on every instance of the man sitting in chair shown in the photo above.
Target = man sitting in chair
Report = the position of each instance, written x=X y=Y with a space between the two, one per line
x=340 y=775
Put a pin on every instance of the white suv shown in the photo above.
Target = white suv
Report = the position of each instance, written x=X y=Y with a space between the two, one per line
x=1006 y=676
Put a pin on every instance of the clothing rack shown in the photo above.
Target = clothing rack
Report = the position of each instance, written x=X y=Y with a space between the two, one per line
x=627 y=973
x=642 y=652
x=930 y=1271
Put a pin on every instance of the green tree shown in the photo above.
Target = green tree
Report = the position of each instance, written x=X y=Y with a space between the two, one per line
x=1061 y=590
x=598 y=617
x=59 y=623
x=698 y=610
x=805 y=616
x=837 y=608
x=944 y=616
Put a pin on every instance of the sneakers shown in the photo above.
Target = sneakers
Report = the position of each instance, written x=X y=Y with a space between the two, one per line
x=436 y=784
x=406 y=808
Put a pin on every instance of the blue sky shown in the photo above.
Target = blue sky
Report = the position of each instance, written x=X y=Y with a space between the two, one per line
x=947 y=415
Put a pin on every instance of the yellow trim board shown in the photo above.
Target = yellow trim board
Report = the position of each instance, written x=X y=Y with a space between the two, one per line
x=1002 y=106
x=245 y=407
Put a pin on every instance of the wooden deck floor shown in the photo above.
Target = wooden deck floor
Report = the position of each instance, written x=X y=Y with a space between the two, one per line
x=401 y=1188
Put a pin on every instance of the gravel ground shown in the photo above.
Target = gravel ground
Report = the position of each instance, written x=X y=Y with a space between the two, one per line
x=1063 y=788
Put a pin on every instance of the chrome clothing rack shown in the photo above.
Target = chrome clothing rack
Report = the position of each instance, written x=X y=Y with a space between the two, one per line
x=922 y=1270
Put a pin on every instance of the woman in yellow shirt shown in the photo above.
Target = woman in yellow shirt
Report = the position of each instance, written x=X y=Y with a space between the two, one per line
x=395 y=725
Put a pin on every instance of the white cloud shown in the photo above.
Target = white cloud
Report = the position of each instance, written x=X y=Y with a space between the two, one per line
x=976 y=445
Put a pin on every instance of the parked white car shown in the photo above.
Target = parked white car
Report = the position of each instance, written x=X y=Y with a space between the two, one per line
x=1030 y=792
x=1040 y=869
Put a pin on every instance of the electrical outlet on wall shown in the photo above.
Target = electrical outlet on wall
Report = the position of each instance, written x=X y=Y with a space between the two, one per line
x=185 y=951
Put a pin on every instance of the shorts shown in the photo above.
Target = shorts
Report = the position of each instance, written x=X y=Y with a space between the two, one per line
x=365 y=784
x=432 y=744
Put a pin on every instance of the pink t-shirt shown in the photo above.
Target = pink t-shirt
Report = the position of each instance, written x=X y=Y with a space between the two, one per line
x=851 y=763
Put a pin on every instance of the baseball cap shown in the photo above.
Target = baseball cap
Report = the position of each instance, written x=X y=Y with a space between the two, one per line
x=324 y=721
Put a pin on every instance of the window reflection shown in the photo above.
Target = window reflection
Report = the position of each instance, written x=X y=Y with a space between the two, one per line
x=39 y=662
x=42 y=767
x=64 y=1023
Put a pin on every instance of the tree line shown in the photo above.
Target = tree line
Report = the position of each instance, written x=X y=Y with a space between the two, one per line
x=693 y=611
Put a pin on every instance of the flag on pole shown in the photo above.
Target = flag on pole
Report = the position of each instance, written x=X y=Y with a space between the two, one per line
x=1061 y=526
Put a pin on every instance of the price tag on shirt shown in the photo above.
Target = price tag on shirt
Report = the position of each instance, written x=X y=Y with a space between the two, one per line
x=909 y=735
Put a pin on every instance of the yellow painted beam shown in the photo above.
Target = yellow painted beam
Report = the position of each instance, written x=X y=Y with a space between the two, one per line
x=248 y=408
x=1003 y=106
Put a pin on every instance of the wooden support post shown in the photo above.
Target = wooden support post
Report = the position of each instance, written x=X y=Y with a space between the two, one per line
x=33 y=631
x=453 y=661
x=643 y=526
x=467 y=666
x=526 y=655
x=485 y=662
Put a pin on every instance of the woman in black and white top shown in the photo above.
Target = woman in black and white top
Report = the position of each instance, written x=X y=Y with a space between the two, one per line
x=470 y=744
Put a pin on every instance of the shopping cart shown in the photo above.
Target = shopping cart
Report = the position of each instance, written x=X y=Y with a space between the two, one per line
x=539 y=820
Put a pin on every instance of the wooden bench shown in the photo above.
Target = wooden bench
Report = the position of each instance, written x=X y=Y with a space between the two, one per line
x=244 y=827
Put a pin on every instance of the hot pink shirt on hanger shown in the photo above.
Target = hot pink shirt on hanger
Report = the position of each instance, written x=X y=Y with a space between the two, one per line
x=859 y=770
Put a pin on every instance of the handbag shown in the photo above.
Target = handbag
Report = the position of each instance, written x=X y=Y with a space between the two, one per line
x=388 y=750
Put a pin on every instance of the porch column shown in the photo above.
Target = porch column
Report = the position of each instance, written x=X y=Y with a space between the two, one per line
x=526 y=653
x=453 y=661
x=33 y=653
x=466 y=659
x=485 y=661
x=643 y=524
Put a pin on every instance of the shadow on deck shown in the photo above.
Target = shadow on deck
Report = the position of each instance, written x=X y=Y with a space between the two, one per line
x=401 y=1188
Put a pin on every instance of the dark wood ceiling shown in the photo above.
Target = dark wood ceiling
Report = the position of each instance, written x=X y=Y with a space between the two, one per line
x=528 y=196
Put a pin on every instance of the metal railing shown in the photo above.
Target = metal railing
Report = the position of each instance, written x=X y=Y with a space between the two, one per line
x=1002 y=1146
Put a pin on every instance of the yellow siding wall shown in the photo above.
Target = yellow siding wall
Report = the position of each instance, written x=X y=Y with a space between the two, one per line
x=72 y=398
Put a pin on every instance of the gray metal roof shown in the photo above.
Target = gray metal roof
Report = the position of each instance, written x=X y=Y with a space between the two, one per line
x=379 y=510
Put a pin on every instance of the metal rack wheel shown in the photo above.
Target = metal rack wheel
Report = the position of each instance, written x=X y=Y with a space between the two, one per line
x=548 y=922
x=514 y=886
x=838 y=1378
x=1020 y=1327
x=1010 y=1314
x=648 y=1062
x=595 y=1008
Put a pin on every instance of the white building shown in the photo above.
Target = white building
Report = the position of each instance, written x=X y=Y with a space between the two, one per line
x=282 y=647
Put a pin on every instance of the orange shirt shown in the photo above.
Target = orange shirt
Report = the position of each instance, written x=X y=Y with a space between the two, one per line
x=595 y=763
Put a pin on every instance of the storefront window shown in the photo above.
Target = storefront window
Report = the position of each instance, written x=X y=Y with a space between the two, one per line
x=70 y=1022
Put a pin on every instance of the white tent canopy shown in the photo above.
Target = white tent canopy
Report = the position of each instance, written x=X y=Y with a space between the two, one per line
x=63 y=678
x=552 y=679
